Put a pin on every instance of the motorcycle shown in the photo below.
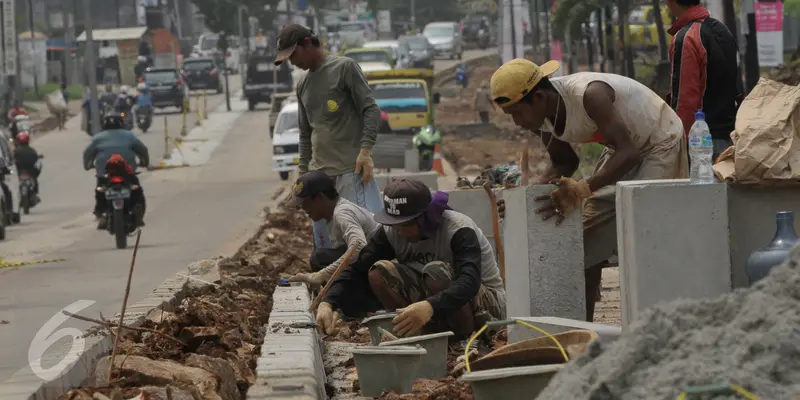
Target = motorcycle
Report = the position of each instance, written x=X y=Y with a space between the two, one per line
x=27 y=192
x=127 y=120
x=483 y=39
x=461 y=77
x=120 y=220
x=144 y=111
x=425 y=141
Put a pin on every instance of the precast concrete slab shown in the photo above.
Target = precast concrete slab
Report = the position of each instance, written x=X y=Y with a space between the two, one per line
x=429 y=178
x=672 y=242
x=751 y=215
x=544 y=262
x=475 y=204
x=555 y=325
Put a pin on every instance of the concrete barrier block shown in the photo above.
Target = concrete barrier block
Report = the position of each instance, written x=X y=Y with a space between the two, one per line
x=554 y=325
x=544 y=262
x=475 y=204
x=411 y=160
x=429 y=178
x=751 y=217
x=672 y=242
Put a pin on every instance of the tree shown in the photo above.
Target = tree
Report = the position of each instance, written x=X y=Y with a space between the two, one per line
x=220 y=15
x=662 y=36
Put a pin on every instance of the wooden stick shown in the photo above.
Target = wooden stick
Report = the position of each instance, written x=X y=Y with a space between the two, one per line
x=345 y=263
x=498 y=241
x=124 y=304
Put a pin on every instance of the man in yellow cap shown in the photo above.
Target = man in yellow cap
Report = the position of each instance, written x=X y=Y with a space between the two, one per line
x=642 y=135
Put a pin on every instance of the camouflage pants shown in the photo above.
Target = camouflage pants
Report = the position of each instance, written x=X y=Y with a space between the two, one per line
x=410 y=284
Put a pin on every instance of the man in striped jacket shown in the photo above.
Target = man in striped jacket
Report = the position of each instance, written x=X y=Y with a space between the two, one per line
x=704 y=71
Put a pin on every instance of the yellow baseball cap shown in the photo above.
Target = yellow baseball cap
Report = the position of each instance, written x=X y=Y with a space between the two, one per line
x=514 y=79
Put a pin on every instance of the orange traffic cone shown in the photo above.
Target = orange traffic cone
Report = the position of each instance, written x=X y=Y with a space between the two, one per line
x=437 y=160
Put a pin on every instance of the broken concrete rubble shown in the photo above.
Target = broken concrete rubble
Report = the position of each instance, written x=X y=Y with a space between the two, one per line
x=208 y=344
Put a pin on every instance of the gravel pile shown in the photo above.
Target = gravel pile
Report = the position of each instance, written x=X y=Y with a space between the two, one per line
x=750 y=337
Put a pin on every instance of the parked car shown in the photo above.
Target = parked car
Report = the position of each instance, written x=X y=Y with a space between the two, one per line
x=286 y=140
x=371 y=59
x=167 y=88
x=445 y=38
x=201 y=73
x=356 y=33
x=416 y=52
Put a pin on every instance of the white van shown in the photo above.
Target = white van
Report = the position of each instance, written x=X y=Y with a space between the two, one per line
x=286 y=141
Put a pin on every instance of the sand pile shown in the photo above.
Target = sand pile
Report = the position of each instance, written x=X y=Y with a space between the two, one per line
x=750 y=337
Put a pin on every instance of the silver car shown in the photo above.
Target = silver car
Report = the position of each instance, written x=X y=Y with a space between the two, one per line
x=445 y=37
x=356 y=33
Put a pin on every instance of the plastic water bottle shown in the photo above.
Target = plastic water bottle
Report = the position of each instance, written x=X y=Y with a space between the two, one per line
x=701 y=150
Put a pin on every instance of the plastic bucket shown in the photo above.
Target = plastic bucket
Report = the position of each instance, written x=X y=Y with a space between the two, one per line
x=518 y=383
x=379 y=321
x=434 y=363
x=391 y=368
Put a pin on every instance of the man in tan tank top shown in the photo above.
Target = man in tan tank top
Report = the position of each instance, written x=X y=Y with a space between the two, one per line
x=642 y=135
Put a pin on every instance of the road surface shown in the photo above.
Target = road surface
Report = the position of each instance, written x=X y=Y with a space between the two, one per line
x=192 y=213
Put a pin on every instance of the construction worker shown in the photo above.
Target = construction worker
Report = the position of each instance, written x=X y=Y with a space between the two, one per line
x=483 y=102
x=348 y=225
x=642 y=135
x=338 y=120
x=431 y=262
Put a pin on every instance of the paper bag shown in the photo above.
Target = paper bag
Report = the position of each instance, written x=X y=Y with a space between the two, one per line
x=766 y=139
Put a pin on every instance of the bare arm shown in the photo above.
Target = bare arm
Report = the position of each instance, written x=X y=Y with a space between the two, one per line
x=563 y=160
x=598 y=100
x=353 y=234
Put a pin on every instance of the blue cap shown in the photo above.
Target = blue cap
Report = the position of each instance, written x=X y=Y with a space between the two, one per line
x=699 y=115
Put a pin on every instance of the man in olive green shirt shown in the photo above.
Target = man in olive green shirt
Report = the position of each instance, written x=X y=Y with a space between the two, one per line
x=338 y=120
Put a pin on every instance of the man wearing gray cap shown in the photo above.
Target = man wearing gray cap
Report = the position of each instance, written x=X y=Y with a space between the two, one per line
x=338 y=120
x=432 y=263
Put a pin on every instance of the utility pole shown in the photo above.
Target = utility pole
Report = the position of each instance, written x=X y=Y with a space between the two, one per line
x=222 y=44
x=66 y=15
x=513 y=23
x=34 y=64
x=90 y=62
x=752 y=71
x=413 y=15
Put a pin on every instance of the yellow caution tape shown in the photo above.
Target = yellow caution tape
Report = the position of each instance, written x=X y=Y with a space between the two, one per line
x=15 y=264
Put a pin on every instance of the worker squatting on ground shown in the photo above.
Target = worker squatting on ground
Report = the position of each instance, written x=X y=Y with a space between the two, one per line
x=483 y=102
x=704 y=71
x=348 y=225
x=338 y=120
x=431 y=262
x=643 y=140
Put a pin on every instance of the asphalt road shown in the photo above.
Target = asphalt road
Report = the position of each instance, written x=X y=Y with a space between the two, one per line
x=441 y=64
x=193 y=213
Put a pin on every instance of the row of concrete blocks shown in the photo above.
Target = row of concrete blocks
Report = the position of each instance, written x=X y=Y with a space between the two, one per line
x=26 y=385
x=290 y=365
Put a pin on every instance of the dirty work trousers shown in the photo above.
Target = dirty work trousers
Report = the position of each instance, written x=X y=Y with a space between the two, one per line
x=349 y=187
x=669 y=161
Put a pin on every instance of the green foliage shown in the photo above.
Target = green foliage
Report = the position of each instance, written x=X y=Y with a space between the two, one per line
x=570 y=14
x=223 y=15
x=792 y=7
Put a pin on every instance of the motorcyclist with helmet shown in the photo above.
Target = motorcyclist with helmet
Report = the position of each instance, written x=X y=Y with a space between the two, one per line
x=115 y=140
x=16 y=114
x=124 y=104
x=27 y=160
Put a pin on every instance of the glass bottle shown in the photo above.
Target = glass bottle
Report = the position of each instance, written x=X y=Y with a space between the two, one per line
x=764 y=259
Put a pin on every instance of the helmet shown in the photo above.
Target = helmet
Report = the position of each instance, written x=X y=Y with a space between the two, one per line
x=141 y=59
x=123 y=89
x=112 y=120
x=23 y=138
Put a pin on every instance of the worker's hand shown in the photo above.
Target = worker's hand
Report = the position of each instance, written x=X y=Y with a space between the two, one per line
x=326 y=319
x=412 y=319
x=364 y=165
x=566 y=198
x=314 y=279
x=501 y=208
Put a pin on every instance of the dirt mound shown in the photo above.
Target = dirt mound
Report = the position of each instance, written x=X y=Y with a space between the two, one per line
x=208 y=345
x=444 y=389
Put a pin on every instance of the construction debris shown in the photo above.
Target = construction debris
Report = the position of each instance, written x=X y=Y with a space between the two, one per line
x=206 y=348
x=788 y=73
x=747 y=338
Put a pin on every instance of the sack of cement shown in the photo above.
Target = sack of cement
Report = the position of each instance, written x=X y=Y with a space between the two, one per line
x=56 y=103
x=749 y=338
